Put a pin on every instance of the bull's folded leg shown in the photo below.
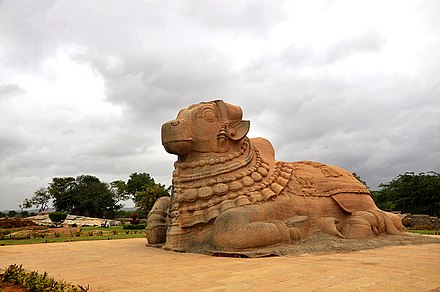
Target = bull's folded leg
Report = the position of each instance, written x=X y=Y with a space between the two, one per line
x=233 y=230
x=367 y=224
x=251 y=235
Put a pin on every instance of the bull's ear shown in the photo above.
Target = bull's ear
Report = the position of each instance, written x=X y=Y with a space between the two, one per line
x=238 y=129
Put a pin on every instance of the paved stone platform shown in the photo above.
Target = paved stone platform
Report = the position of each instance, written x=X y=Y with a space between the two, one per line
x=128 y=265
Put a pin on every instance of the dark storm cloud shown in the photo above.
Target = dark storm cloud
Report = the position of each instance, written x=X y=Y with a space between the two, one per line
x=170 y=81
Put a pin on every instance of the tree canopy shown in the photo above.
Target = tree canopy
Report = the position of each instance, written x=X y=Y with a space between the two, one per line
x=40 y=200
x=411 y=193
x=145 y=191
x=84 y=195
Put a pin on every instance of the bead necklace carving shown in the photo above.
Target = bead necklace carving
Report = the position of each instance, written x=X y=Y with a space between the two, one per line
x=221 y=170
x=214 y=160
x=203 y=200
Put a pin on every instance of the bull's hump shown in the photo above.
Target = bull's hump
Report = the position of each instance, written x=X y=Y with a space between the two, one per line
x=265 y=147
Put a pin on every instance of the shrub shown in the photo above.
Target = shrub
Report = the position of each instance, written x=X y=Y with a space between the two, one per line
x=57 y=217
x=3 y=233
x=134 y=220
x=37 y=282
x=12 y=213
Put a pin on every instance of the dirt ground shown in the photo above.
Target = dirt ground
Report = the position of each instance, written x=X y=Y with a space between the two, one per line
x=128 y=265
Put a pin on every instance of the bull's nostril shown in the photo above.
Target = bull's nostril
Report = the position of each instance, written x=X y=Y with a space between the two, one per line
x=174 y=123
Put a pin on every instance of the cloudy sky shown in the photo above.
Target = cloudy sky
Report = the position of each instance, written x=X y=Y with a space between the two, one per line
x=86 y=85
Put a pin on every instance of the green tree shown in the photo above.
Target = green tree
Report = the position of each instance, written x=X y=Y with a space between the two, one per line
x=145 y=191
x=418 y=194
x=40 y=200
x=62 y=189
x=86 y=195
x=119 y=190
x=146 y=198
x=12 y=213
x=24 y=214
x=138 y=182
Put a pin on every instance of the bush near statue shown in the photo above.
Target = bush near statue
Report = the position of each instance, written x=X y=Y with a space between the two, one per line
x=230 y=194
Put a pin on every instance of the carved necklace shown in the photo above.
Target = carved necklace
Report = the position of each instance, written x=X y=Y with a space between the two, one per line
x=202 y=201
x=212 y=161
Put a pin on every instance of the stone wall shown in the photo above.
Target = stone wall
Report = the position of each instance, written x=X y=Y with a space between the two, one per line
x=421 y=221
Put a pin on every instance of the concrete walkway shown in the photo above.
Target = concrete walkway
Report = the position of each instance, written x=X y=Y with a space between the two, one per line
x=128 y=265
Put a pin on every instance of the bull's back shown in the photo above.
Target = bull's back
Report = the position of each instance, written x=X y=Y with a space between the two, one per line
x=328 y=190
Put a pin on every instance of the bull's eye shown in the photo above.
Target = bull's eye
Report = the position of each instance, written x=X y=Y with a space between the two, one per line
x=209 y=115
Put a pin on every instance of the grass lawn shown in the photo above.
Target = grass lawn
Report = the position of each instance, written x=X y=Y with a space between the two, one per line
x=49 y=235
x=428 y=232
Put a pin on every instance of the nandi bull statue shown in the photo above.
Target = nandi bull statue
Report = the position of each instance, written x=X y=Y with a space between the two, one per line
x=230 y=194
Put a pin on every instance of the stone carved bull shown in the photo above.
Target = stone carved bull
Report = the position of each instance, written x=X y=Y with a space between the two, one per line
x=230 y=194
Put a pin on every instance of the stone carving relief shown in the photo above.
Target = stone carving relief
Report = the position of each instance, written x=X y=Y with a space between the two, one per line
x=230 y=194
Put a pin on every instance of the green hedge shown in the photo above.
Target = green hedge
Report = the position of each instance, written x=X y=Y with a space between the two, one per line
x=135 y=226
x=57 y=217
x=37 y=282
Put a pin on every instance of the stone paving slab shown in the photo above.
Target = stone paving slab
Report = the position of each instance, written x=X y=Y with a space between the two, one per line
x=128 y=265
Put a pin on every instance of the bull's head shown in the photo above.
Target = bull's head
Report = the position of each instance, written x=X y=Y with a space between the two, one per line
x=207 y=127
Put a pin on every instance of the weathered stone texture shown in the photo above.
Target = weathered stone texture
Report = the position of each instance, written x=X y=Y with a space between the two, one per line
x=230 y=194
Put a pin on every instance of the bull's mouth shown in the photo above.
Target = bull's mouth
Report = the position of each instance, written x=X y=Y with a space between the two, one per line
x=176 y=138
x=178 y=147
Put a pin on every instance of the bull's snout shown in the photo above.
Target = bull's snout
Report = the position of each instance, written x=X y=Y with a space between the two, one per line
x=176 y=137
